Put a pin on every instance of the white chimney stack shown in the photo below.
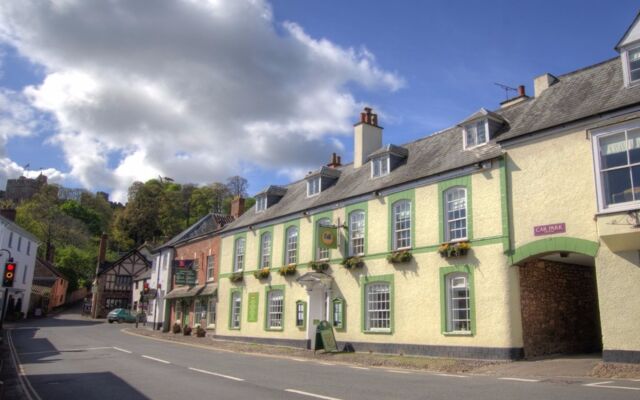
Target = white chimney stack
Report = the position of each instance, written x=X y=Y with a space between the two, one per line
x=367 y=137
x=542 y=83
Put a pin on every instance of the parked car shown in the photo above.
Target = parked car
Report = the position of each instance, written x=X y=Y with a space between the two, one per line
x=121 y=315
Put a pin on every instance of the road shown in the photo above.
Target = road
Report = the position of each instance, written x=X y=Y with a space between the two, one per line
x=70 y=357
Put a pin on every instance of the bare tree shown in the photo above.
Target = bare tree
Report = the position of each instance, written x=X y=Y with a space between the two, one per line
x=237 y=186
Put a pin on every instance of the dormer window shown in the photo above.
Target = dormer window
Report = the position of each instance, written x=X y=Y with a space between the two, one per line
x=380 y=166
x=322 y=179
x=261 y=203
x=475 y=134
x=634 y=65
x=313 y=186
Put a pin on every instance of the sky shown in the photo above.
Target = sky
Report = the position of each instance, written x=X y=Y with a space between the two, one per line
x=98 y=94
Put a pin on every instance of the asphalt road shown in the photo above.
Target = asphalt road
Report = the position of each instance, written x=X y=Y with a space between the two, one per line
x=70 y=357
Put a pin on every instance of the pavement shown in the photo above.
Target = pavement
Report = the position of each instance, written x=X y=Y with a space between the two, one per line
x=69 y=356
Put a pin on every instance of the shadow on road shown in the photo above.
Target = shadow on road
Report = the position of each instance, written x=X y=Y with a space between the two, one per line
x=95 y=385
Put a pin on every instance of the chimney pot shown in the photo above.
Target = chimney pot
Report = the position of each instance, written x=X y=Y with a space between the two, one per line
x=363 y=117
x=367 y=137
x=521 y=91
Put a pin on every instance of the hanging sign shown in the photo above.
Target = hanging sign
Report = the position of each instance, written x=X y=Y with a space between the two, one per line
x=328 y=237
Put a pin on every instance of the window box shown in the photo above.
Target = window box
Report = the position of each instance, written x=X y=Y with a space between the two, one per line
x=319 y=266
x=353 y=262
x=457 y=249
x=288 y=270
x=399 y=257
x=236 y=276
x=262 y=273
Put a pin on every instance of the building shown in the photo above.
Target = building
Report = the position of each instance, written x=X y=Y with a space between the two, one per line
x=49 y=288
x=492 y=239
x=22 y=246
x=140 y=302
x=24 y=188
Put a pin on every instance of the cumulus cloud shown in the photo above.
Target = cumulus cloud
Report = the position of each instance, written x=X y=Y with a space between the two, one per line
x=191 y=89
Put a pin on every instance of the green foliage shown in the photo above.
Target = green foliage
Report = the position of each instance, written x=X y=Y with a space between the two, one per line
x=77 y=264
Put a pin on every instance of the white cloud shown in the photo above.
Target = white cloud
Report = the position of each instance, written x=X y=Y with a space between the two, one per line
x=190 y=89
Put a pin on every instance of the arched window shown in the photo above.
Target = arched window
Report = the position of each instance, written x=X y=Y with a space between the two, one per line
x=291 y=252
x=322 y=253
x=265 y=250
x=455 y=223
x=238 y=264
x=458 y=304
x=402 y=225
x=356 y=233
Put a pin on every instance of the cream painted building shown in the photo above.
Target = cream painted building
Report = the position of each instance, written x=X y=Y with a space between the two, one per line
x=515 y=233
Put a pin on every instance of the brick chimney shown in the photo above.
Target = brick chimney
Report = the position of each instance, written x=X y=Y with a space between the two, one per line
x=102 y=250
x=522 y=96
x=237 y=207
x=9 y=213
x=335 y=161
x=367 y=137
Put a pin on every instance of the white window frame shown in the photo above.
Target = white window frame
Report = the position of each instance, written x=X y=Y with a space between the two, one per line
x=449 y=236
x=236 y=308
x=453 y=281
x=626 y=66
x=275 y=309
x=314 y=186
x=28 y=247
x=19 y=243
x=320 y=252
x=211 y=311
x=291 y=256
x=261 y=203
x=265 y=250
x=211 y=262
x=10 y=244
x=357 y=232
x=375 y=307
x=199 y=311
x=240 y=250
x=396 y=231
x=474 y=126
x=380 y=166
x=301 y=313
x=596 y=135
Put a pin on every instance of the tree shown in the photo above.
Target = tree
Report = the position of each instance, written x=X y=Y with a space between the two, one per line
x=237 y=186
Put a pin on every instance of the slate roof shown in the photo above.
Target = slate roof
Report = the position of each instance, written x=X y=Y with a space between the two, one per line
x=207 y=224
x=45 y=270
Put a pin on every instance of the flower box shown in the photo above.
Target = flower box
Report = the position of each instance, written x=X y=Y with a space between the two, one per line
x=262 y=273
x=353 y=262
x=457 y=249
x=236 y=276
x=288 y=269
x=319 y=266
x=401 y=256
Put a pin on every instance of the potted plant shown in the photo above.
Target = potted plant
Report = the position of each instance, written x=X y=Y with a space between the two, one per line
x=456 y=249
x=176 y=328
x=400 y=256
x=353 y=262
x=236 y=276
x=186 y=330
x=288 y=269
x=200 y=331
x=262 y=273
x=319 y=266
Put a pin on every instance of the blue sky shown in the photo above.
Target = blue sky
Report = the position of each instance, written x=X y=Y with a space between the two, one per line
x=423 y=65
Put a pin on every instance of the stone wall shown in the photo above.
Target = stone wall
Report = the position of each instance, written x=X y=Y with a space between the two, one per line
x=559 y=308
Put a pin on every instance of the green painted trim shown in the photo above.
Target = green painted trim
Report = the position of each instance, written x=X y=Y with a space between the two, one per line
x=364 y=206
x=231 y=292
x=261 y=233
x=304 y=314
x=314 y=244
x=463 y=181
x=444 y=271
x=253 y=318
x=366 y=280
x=266 y=307
x=391 y=200
x=341 y=327
x=237 y=236
x=554 y=245
x=286 y=227
x=504 y=207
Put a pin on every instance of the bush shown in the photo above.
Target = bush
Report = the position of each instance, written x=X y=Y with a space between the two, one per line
x=176 y=328
x=186 y=330
x=200 y=331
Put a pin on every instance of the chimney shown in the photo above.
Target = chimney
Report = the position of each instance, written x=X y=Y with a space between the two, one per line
x=9 y=213
x=367 y=137
x=335 y=161
x=51 y=253
x=237 y=207
x=542 y=83
x=102 y=250
x=522 y=96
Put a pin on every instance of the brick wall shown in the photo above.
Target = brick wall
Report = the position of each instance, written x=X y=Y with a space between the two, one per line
x=559 y=308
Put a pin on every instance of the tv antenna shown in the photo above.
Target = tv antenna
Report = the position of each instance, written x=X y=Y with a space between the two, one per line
x=506 y=89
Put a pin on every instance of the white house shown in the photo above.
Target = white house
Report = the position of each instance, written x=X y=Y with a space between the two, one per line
x=161 y=282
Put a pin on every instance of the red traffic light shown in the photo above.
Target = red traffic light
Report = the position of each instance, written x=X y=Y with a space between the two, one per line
x=11 y=267
x=9 y=274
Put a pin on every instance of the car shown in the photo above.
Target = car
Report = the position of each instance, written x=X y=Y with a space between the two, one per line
x=121 y=315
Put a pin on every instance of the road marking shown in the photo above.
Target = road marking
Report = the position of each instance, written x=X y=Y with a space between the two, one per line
x=519 y=379
x=122 y=350
x=317 y=396
x=27 y=389
x=157 y=359
x=354 y=367
x=233 y=378
x=604 y=385
x=324 y=363
x=452 y=375
x=395 y=371
x=299 y=359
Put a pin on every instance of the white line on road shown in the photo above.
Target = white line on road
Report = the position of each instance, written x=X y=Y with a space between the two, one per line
x=157 y=359
x=299 y=359
x=452 y=375
x=324 y=363
x=604 y=385
x=354 y=367
x=233 y=378
x=27 y=388
x=519 y=379
x=317 y=396
x=122 y=350
x=395 y=371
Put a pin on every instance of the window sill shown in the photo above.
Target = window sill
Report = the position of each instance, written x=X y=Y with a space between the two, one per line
x=457 y=333
x=234 y=329
x=389 y=332
x=635 y=206
x=275 y=329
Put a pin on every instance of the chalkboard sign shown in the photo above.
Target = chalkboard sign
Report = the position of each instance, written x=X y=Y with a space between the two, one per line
x=252 y=315
x=325 y=338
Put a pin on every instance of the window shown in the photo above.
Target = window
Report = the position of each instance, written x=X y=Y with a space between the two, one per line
x=265 y=250
x=301 y=314
x=291 y=256
x=200 y=312
x=111 y=303
x=24 y=274
x=634 y=64
x=356 y=233
x=136 y=284
x=28 y=248
x=118 y=283
x=261 y=203
x=178 y=311
x=458 y=304
x=238 y=264
x=313 y=186
x=475 y=134
x=10 y=239
x=196 y=268
x=378 y=307
x=236 y=306
x=456 y=213
x=380 y=166
x=19 y=243
x=402 y=225
x=211 y=311
x=618 y=165
x=275 y=303
x=337 y=313
x=322 y=253
x=210 y=268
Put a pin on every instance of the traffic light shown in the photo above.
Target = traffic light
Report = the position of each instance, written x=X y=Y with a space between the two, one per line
x=9 y=274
